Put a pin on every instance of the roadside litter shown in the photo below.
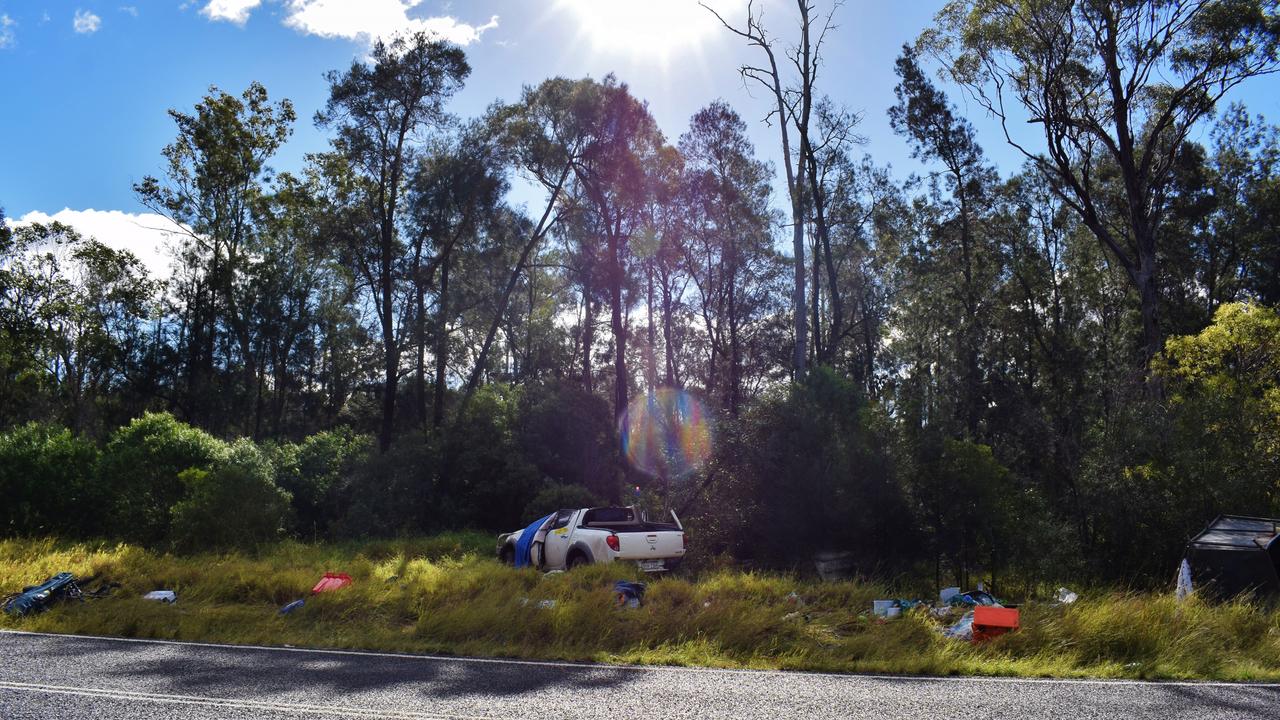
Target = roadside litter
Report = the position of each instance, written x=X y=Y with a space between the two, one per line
x=331 y=581
x=894 y=608
x=1234 y=555
x=36 y=598
x=1066 y=597
x=629 y=594
x=1182 y=583
x=292 y=606
x=990 y=621
x=540 y=604
x=164 y=596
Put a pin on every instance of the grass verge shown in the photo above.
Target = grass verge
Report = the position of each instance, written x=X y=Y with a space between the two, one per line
x=444 y=595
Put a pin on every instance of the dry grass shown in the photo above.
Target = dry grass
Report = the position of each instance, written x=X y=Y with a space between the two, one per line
x=444 y=595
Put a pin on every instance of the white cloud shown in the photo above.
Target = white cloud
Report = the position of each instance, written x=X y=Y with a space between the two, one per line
x=86 y=23
x=363 y=20
x=6 y=31
x=236 y=11
x=129 y=9
x=146 y=235
x=370 y=19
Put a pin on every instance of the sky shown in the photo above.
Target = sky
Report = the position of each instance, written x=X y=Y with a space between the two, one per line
x=85 y=85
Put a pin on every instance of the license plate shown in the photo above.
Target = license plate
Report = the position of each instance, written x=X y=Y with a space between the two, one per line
x=653 y=565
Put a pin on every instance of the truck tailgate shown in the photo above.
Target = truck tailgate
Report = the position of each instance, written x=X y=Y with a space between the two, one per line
x=650 y=545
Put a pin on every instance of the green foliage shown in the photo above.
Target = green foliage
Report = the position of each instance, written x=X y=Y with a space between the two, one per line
x=140 y=469
x=554 y=496
x=234 y=503
x=47 y=486
x=486 y=480
x=1223 y=403
x=389 y=493
x=811 y=459
x=314 y=472
x=568 y=434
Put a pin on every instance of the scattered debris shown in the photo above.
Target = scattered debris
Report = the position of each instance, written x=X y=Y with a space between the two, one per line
x=164 y=596
x=962 y=629
x=331 y=581
x=834 y=565
x=630 y=594
x=540 y=604
x=947 y=593
x=794 y=600
x=102 y=590
x=35 y=598
x=1182 y=584
x=292 y=606
x=990 y=621
x=1234 y=555
x=1066 y=597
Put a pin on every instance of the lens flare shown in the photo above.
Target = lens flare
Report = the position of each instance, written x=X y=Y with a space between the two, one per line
x=666 y=433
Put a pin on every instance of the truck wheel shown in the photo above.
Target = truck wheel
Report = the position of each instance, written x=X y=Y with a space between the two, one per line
x=577 y=560
x=507 y=556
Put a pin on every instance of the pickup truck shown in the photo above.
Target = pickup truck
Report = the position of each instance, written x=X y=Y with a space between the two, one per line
x=569 y=538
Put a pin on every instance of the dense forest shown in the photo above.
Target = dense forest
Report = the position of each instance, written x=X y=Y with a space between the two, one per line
x=1060 y=372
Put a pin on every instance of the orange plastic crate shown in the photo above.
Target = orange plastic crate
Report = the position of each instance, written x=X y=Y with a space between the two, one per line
x=989 y=622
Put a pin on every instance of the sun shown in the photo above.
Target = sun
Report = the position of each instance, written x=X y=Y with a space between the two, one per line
x=649 y=29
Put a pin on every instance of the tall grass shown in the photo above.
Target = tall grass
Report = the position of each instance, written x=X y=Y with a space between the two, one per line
x=444 y=595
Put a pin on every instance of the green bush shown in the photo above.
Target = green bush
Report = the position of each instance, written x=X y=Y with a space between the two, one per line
x=235 y=503
x=140 y=467
x=314 y=471
x=569 y=435
x=387 y=493
x=46 y=483
x=810 y=458
x=485 y=480
x=554 y=496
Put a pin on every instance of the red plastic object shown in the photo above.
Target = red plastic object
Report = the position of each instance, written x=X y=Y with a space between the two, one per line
x=989 y=622
x=331 y=581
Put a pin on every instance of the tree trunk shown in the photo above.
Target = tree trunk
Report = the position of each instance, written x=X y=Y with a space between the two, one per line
x=616 y=323
x=668 y=350
x=442 y=345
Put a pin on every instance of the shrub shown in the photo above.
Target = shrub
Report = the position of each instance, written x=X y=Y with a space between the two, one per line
x=387 y=493
x=485 y=481
x=235 y=503
x=569 y=435
x=140 y=468
x=47 y=484
x=554 y=496
x=314 y=471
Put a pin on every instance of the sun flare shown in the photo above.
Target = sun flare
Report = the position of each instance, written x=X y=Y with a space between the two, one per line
x=648 y=29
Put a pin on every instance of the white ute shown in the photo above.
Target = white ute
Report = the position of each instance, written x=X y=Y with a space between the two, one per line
x=571 y=538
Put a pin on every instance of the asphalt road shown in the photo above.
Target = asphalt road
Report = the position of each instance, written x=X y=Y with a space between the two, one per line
x=48 y=676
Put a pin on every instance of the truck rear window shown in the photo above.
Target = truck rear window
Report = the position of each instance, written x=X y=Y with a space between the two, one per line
x=609 y=515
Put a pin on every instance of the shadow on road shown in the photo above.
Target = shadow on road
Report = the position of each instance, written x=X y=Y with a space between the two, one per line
x=227 y=672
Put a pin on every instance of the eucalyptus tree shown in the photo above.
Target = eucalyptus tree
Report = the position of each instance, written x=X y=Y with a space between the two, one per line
x=925 y=117
x=455 y=195
x=215 y=177
x=544 y=136
x=793 y=103
x=1116 y=87
x=379 y=108
x=613 y=178
x=74 y=311
x=727 y=239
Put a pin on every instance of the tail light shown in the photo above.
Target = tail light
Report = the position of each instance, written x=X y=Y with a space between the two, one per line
x=612 y=542
x=684 y=541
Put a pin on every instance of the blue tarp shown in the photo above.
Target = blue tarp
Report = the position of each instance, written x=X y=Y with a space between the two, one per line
x=526 y=540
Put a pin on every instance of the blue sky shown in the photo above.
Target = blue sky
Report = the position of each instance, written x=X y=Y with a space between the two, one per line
x=85 y=85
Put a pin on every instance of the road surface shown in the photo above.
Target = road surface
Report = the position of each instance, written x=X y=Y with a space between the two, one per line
x=46 y=676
